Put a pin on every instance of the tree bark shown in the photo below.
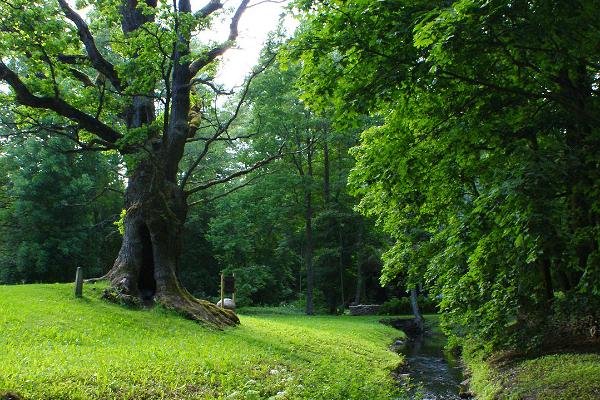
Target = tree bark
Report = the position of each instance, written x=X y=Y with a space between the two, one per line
x=415 y=309
x=146 y=267
x=359 y=283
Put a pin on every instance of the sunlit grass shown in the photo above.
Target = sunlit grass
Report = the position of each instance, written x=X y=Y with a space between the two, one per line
x=551 y=377
x=53 y=346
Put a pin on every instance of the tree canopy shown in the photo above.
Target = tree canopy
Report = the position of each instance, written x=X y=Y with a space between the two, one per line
x=484 y=167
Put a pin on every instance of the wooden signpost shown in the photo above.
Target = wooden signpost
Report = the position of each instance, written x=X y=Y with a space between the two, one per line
x=79 y=283
x=227 y=286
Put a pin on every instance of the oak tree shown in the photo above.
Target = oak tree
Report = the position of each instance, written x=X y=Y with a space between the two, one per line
x=130 y=77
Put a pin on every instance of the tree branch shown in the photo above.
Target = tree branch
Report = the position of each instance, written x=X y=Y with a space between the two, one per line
x=98 y=61
x=233 y=189
x=222 y=128
x=215 y=52
x=211 y=7
x=212 y=85
x=237 y=174
x=59 y=106
x=268 y=1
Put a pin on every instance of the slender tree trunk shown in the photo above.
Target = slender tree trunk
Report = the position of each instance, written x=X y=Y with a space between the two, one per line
x=309 y=237
x=359 y=282
x=359 y=277
x=341 y=267
x=415 y=309
x=576 y=87
x=547 y=278
x=326 y=173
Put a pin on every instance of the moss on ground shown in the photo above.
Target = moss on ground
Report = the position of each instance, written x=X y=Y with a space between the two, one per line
x=550 y=377
x=53 y=346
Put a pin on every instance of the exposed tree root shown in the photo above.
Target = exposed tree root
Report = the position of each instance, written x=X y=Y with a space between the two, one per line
x=199 y=310
x=181 y=301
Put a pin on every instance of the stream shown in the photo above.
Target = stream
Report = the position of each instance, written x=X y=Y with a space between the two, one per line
x=430 y=372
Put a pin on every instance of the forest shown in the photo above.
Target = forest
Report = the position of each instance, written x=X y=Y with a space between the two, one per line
x=432 y=163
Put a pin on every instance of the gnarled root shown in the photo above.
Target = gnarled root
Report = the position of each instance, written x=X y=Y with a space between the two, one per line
x=199 y=310
x=178 y=300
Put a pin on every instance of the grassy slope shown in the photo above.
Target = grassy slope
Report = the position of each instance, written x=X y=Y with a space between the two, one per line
x=53 y=346
x=552 y=377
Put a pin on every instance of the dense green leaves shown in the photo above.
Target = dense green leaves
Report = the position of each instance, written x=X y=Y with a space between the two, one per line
x=485 y=167
x=59 y=212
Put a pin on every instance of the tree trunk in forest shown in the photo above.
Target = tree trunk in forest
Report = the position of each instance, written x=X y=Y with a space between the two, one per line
x=547 y=279
x=415 y=309
x=341 y=267
x=359 y=273
x=310 y=310
x=359 y=282
x=575 y=87
x=326 y=173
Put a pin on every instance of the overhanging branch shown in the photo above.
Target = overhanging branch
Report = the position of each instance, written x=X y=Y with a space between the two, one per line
x=59 y=106
x=211 y=7
x=227 y=192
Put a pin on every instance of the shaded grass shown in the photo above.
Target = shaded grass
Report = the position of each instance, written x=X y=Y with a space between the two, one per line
x=551 y=377
x=53 y=346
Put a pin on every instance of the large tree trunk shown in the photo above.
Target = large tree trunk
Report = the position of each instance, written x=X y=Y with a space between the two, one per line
x=145 y=270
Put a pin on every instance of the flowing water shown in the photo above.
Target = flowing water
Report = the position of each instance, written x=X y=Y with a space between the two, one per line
x=430 y=372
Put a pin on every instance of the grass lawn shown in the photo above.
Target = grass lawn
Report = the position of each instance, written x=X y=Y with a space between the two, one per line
x=551 y=377
x=53 y=346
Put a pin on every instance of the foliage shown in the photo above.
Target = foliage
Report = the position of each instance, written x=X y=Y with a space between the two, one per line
x=483 y=167
x=59 y=211
x=259 y=231
x=56 y=346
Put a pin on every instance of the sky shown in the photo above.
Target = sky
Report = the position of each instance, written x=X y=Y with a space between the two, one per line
x=254 y=27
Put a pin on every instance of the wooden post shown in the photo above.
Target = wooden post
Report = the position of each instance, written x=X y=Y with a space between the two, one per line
x=233 y=294
x=79 y=283
x=222 y=290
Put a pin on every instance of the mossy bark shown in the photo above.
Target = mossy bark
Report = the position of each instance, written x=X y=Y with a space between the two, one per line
x=146 y=269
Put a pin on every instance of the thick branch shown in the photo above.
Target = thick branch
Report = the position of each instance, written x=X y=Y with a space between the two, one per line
x=212 y=85
x=225 y=127
x=98 y=61
x=215 y=52
x=222 y=139
x=211 y=7
x=59 y=106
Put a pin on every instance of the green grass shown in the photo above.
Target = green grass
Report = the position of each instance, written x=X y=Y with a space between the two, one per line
x=53 y=346
x=551 y=377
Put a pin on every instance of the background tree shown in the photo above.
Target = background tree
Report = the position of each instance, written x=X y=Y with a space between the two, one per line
x=296 y=214
x=60 y=211
x=483 y=169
